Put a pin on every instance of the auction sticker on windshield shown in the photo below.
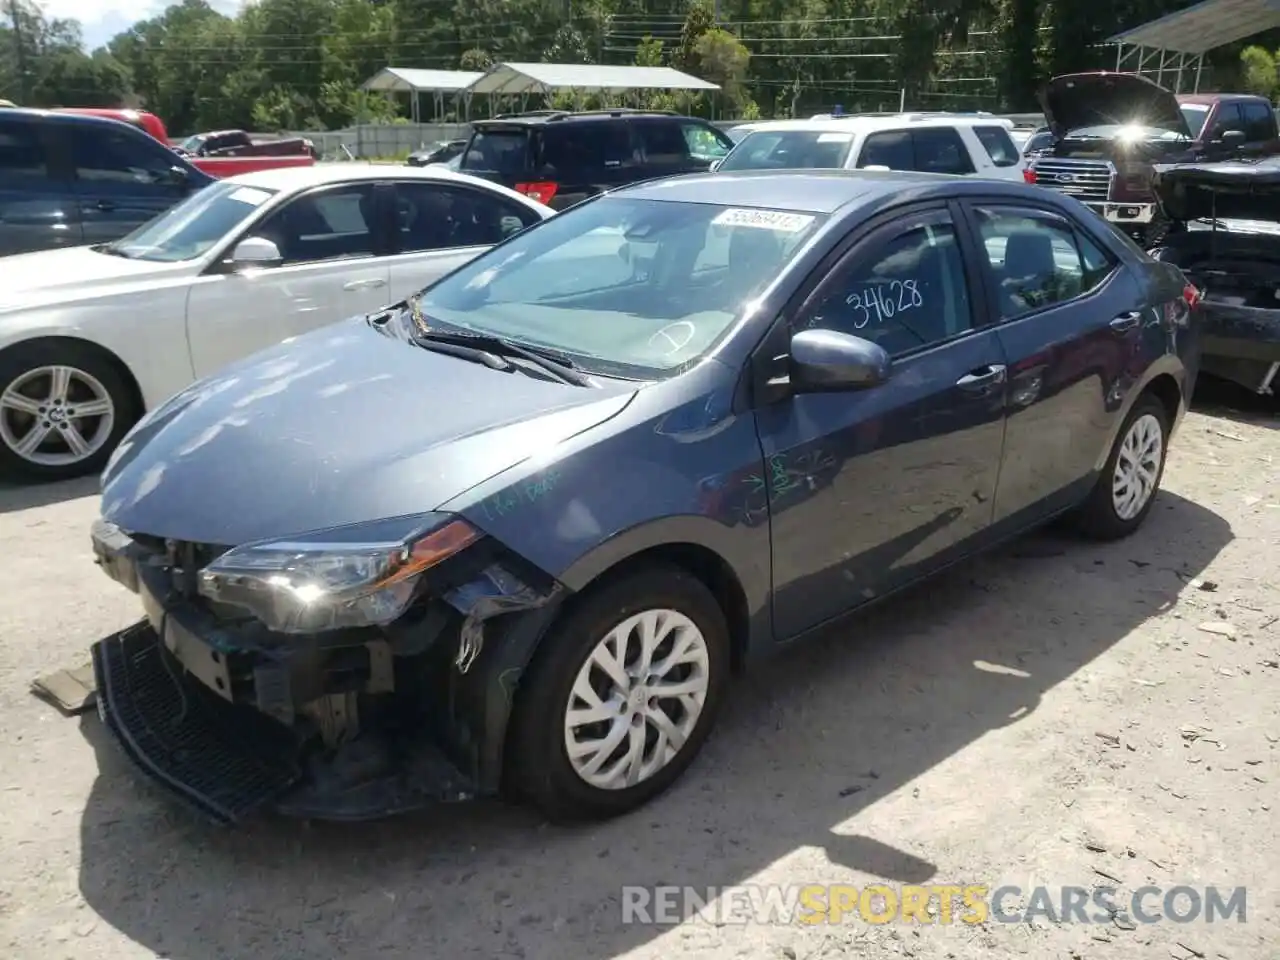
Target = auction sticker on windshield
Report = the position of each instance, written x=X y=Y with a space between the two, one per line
x=250 y=195
x=763 y=220
x=834 y=137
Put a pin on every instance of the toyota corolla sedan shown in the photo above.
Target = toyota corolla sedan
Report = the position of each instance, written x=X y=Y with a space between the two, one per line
x=517 y=532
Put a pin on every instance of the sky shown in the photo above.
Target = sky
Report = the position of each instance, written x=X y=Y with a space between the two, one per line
x=103 y=19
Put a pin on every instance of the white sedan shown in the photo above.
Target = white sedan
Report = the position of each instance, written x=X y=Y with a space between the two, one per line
x=92 y=337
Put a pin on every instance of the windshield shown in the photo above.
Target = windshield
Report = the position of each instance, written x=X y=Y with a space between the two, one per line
x=192 y=144
x=789 y=149
x=188 y=230
x=624 y=287
x=1195 y=114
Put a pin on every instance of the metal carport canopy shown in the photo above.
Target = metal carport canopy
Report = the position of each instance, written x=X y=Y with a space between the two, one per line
x=405 y=80
x=1205 y=26
x=508 y=79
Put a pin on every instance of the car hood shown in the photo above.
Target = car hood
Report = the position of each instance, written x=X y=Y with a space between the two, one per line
x=53 y=276
x=1225 y=191
x=1100 y=99
x=342 y=425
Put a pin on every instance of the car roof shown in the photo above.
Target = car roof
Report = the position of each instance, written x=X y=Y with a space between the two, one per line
x=540 y=117
x=807 y=191
x=871 y=124
x=319 y=174
x=72 y=115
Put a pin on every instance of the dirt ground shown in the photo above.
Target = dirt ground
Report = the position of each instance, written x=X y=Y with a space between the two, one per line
x=1054 y=714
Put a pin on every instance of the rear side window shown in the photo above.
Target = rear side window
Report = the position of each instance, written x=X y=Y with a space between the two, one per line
x=889 y=148
x=432 y=216
x=1259 y=122
x=504 y=150
x=998 y=144
x=576 y=150
x=21 y=152
x=940 y=150
x=790 y=149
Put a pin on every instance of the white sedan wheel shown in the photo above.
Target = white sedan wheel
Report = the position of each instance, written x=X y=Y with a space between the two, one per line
x=56 y=415
x=637 y=699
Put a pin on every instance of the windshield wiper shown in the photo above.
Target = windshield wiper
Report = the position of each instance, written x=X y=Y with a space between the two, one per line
x=111 y=250
x=559 y=368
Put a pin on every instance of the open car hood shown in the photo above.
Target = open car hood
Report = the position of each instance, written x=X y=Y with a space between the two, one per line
x=1225 y=191
x=1076 y=100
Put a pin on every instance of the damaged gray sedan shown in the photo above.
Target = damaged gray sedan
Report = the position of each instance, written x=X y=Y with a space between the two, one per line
x=514 y=533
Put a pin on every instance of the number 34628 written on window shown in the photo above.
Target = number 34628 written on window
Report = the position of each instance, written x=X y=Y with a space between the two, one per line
x=882 y=301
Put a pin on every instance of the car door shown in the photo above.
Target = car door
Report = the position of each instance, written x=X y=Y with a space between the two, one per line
x=38 y=209
x=333 y=266
x=1073 y=323
x=1259 y=128
x=870 y=489
x=663 y=150
x=1226 y=117
x=123 y=178
x=439 y=226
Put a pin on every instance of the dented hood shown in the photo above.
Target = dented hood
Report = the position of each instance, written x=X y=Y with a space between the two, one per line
x=340 y=426
x=1225 y=191
x=1101 y=99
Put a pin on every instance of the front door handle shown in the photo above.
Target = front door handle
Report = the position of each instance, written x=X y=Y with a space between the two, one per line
x=983 y=377
x=369 y=284
x=1126 y=321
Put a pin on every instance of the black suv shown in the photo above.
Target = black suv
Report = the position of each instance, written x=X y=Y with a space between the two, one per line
x=67 y=179
x=561 y=158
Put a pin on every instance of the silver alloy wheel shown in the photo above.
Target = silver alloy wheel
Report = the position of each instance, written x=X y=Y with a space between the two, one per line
x=637 y=699
x=55 y=416
x=1137 y=466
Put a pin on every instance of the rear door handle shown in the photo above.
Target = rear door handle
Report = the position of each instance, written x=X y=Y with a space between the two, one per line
x=369 y=284
x=982 y=377
x=1126 y=321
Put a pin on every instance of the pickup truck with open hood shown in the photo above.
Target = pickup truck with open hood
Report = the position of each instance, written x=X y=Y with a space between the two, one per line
x=1111 y=129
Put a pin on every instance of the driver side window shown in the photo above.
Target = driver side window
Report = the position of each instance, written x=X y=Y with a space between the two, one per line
x=903 y=287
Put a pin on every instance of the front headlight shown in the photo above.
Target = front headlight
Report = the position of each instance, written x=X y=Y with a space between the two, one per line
x=356 y=576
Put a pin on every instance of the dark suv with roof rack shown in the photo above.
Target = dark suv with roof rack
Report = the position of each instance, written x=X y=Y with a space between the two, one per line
x=561 y=157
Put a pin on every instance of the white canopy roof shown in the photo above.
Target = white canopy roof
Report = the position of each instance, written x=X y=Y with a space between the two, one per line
x=544 y=78
x=1205 y=26
x=405 y=80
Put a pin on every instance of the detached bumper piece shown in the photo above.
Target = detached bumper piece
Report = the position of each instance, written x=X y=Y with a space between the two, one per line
x=227 y=762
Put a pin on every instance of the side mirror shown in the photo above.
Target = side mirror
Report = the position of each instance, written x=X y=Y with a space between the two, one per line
x=177 y=176
x=827 y=360
x=255 y=252
x=1232 y=137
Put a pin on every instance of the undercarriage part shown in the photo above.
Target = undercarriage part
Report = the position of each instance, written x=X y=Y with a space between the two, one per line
x=336 y=716
x=496 y=591
x=225 y=761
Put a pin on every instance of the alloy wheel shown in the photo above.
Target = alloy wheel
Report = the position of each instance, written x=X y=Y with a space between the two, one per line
x=57 y=415
x=637 y=699
x=1137 y=467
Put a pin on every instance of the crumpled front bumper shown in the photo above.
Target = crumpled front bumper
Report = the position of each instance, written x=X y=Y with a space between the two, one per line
x=216 y=736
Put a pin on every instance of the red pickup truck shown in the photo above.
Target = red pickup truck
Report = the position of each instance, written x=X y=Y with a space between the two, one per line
x=219 y=166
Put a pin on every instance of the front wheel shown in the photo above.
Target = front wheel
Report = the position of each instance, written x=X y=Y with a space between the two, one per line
x=1127 y=486
x=621 y=698
x=63 y=409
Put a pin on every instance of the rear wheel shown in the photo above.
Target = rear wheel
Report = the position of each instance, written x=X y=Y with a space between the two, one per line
x=1127 y=486
x=63 y=409
x=621 y=698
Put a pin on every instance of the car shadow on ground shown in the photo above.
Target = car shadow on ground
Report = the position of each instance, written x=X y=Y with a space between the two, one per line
x=830 y=728
x=1230 y=401
x=15 y=497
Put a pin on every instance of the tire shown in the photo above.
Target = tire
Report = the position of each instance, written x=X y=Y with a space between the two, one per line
x=539 y=770
x=27 y=378
x=1100 y=517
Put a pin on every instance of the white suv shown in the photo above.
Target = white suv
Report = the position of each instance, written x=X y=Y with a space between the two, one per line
x=965 y=144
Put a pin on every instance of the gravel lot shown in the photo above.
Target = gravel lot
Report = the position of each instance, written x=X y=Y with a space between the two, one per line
x=1053 y=714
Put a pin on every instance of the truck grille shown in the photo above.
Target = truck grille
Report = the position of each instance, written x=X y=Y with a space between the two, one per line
x=1087 y=180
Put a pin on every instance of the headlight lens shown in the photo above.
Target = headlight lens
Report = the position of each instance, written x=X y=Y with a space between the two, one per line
x=358 y=576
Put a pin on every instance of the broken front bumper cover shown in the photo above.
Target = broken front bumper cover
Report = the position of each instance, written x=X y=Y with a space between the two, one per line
x=229 y=761
x=210 y=710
